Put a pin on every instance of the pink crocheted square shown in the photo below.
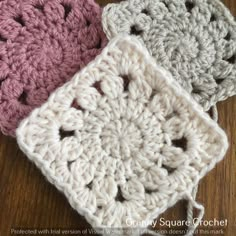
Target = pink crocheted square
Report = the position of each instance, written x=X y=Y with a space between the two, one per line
x=42 y=44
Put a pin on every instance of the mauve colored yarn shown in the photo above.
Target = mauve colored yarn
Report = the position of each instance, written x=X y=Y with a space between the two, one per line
x=42 y=44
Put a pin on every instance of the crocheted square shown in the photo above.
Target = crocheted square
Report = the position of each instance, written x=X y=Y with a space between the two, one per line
x=43 y=43
x=194 y=39
x=122 y=139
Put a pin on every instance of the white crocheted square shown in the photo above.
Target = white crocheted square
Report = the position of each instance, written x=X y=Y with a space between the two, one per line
x=122 y=139
x=194 y=39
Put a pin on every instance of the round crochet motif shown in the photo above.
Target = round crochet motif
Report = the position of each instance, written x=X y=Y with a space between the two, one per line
x=42 y=44
x=122 y=139
x=194 y=39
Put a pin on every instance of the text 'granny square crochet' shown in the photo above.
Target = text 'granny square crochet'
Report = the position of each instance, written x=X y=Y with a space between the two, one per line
x=122 y=139
x=42 y=44
x=194 y=39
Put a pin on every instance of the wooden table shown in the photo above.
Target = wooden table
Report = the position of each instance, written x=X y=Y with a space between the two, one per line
x=27 y=200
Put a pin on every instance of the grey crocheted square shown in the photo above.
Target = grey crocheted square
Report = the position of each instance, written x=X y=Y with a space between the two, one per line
x=194 y=39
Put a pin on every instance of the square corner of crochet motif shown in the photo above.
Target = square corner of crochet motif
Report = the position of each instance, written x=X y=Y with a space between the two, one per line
x=121 y=138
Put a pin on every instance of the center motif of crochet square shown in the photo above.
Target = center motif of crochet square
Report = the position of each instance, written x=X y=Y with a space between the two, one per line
x=122 y=139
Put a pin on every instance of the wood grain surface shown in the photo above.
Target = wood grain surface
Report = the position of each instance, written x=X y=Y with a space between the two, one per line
x=27 y=200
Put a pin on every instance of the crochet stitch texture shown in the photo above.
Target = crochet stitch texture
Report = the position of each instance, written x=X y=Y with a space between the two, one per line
x=122 y=139
x=43 y=43
x=194 y=39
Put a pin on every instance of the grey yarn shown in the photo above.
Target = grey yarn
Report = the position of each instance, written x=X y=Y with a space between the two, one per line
x=194 y=39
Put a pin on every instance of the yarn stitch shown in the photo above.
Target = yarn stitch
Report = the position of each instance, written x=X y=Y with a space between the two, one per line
x=194 y=39
x=43 y=43
x=122 y=139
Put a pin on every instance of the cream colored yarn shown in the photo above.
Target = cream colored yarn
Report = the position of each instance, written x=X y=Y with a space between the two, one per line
x=122 y=140
x=194 y=39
